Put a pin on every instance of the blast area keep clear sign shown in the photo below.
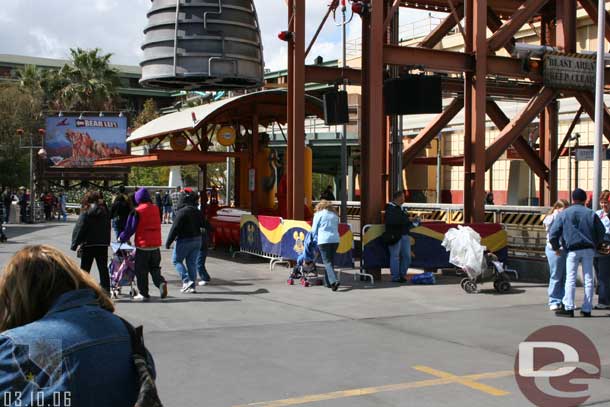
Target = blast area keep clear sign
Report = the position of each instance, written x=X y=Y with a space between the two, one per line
x=569 y=71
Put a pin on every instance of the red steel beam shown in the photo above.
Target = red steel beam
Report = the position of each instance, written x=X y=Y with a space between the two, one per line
x=494 y=23
x=566 y=25
x=298 y=107
x=477 y=112
x=431 y=130
x=520 y=144
x=568 y=133
x=290 y=116
x=328 y=74
x=590 y=7
x=587 y=101
x=436 y=35
x=332 y=6
x=449 y=61
x=516 y=126
x=372 y=184
x=523 y=14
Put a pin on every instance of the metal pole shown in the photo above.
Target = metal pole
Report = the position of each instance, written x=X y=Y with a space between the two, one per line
x=577 y=144
x=343 y=183
x=396 y=123
x=438 y=169
x=32 y=194
x=599 y=104
x=228 y=181
x=570 y=172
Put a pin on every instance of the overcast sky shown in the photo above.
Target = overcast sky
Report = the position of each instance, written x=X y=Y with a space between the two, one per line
x=49 y=28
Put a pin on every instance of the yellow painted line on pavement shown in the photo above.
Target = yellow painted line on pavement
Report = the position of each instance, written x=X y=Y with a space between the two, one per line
x=380 y=389
x=463 y=380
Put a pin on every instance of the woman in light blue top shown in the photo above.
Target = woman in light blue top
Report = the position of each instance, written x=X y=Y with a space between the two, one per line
x=325 y=232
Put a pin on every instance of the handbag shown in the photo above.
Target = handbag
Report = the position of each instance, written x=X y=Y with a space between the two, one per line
x=147 y=391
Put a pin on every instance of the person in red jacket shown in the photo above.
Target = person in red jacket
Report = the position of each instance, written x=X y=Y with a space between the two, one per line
x=145 y=222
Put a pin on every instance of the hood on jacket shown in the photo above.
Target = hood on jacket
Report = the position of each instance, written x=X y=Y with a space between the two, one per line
x=187 y=199
x=142 y=195
x=96 y=209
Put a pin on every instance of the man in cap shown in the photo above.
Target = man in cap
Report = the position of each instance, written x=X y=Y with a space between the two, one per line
x=581 y=232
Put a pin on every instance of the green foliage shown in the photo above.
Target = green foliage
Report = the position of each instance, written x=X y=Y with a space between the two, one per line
x=148 y=175
x=18 y=110
x=91 y=84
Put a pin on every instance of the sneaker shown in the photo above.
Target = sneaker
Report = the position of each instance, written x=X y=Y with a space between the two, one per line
x=400 y=280
x=191 y=290
x=139 y=298
x=163 y=290
x=202 y=283
x=585 y=314
x=565 y=313
x=555 y=307
x=602 y=306
x=185 y=286
x=334 y=286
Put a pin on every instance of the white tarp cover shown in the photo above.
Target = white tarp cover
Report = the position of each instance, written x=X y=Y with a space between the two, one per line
x=465 y=250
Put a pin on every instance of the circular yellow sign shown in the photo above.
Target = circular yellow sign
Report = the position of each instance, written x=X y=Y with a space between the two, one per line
x=178 y=143
x=226 y=136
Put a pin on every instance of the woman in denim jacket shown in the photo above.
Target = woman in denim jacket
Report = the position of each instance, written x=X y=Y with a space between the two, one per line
x=60 y=343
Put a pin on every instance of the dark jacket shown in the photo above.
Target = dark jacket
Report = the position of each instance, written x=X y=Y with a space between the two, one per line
x=578 y=228
x=92 y=227
x=120 y=211
x=396 y=220
x=188 y=221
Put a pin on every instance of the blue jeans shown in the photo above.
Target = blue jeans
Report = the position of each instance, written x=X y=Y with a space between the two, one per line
x=328 y=250
x=575 y=257
x=203 y=254
x=186 y=250
x=557 y=282
x=400 y=257
x=602 y=269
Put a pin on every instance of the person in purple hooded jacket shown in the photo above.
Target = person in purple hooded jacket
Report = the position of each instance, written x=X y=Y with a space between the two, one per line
x=145 y=222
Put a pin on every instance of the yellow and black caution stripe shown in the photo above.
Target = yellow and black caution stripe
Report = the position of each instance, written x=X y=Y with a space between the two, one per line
x=523 y=219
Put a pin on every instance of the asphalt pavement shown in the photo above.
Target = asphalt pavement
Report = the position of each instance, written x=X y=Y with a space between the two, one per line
x=249 y=339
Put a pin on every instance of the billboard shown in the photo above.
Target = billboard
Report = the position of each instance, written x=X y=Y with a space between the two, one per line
x=76 y=142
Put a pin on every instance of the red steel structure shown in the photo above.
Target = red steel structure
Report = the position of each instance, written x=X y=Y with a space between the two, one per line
x=476 y=76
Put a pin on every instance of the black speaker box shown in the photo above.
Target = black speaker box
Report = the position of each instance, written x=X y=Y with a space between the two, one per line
x=413 y=94
x=335 y=108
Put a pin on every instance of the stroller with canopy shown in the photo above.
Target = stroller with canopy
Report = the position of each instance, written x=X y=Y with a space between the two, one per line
x=122 y=269
x=305 y=269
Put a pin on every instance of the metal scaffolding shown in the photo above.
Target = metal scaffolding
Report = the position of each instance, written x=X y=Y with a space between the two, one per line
x=474 y=76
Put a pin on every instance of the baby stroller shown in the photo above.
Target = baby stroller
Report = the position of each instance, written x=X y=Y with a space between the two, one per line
x=479 y=265
x=305 y=268
x=122 y=269
x=493 y=270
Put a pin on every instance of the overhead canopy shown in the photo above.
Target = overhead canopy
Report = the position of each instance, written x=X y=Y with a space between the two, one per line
x=269 y=105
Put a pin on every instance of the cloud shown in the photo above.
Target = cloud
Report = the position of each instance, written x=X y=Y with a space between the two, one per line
x=49 y=28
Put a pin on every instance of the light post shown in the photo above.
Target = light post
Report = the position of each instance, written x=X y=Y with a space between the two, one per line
x=576 y=136
x=42 y=154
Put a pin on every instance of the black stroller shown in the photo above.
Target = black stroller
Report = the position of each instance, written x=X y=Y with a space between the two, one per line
x=493 y=271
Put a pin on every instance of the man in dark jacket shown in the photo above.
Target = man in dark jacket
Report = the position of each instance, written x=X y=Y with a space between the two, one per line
x=581 y=232
x=206 y=235
x=396 y=236
x=119 y=212
x=186 y=230
x=91 y=236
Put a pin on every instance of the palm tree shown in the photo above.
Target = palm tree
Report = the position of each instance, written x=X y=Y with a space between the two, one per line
x=41 y=84
x=90 y=82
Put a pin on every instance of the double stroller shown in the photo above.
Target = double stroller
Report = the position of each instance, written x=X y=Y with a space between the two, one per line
x=122 y=269
x=305 y=269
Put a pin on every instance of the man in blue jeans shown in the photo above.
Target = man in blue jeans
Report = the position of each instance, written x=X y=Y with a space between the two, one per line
x=396 y=235
x=581 y=232
x=186 y=230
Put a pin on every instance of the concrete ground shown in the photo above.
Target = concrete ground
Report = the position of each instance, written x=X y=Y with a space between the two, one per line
x=249 y=339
